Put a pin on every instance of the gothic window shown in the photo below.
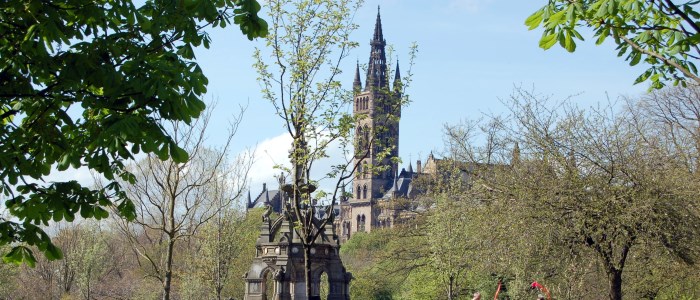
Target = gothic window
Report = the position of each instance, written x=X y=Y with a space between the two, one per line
x=361 y=223
x=360 y=170
x=365 y=135
x=364 y=192
x=365 y=170
x=359 y=220
x=358 y=192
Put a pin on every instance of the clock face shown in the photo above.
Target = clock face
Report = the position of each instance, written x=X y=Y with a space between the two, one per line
x=295 y=250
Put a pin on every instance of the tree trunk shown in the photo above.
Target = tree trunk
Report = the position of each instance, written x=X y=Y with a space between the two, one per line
x=219 y=285
x=307 y=272
x=615 y=284
x=450 y=289
x=168 y=269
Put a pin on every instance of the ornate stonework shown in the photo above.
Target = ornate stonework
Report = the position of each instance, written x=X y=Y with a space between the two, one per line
x=280 y=257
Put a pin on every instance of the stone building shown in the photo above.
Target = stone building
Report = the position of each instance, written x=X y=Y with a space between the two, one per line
x=379 y=186
x=279 y=261
x=378 y=182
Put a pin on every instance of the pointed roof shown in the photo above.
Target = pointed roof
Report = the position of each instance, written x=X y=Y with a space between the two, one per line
x=397 y=76
x=357 y=84
x=410 y=168
x=376 y=68
x=378 y=35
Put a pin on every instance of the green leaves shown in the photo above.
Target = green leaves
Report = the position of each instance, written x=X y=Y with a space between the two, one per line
x=92 y=82
x=247 y=19
x=657 y=35
x=534 y=20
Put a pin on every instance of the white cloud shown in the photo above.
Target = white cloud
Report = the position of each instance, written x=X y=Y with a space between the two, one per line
x=268 y=154
x=275 y=152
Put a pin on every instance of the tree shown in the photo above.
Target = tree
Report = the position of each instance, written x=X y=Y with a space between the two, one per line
x=605 y=182
x=174 y=200
x=223 y=251
x=663 y=34
x=86 y=84
x=308 y=40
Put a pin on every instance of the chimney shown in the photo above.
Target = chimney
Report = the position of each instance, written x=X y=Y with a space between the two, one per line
x=264 y=186
x=419 y=167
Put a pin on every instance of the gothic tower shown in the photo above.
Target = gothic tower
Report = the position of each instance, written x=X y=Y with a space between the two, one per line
x=377 y=109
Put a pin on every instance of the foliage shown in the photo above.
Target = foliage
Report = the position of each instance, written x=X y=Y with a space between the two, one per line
x=606 y=183
x=86 y=84
x=663 y=34
x=308 y=40
x=585 y=196
x=224 y=253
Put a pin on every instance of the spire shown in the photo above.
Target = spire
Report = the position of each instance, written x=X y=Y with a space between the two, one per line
x=397 y=79
x=378 y=36
x=397 y=76
x=376 y=69
x=410 y=168
x=249 y=199
x=357 y=85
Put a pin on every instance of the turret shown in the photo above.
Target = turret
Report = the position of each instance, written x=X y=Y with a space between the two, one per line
x=397 y=81
x=357 y=84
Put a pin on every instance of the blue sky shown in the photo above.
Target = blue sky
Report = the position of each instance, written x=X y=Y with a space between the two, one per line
x=471 y=53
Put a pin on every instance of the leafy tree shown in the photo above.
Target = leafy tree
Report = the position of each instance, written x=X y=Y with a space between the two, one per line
x=90 y=259
x=223 y=252
x=86 y=84
x=663 y=34
x=604 y=182
x=308 y=40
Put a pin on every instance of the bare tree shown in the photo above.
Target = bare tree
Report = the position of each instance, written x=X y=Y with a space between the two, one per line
x=174 y=200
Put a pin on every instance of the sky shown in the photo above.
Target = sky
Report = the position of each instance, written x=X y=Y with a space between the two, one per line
x=471 y=53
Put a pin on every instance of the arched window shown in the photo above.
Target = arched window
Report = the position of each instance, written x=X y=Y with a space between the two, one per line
x=365 y=170
x=358 y=192
x=365 y=135
x=364 y=192
x=359 y=171
x=359 y=221
x=362 y=223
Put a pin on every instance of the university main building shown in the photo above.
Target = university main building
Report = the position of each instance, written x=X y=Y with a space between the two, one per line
x=378 y=184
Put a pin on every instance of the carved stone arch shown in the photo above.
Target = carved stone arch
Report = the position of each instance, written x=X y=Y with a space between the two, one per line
x=268 y=292
x=316 y=281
